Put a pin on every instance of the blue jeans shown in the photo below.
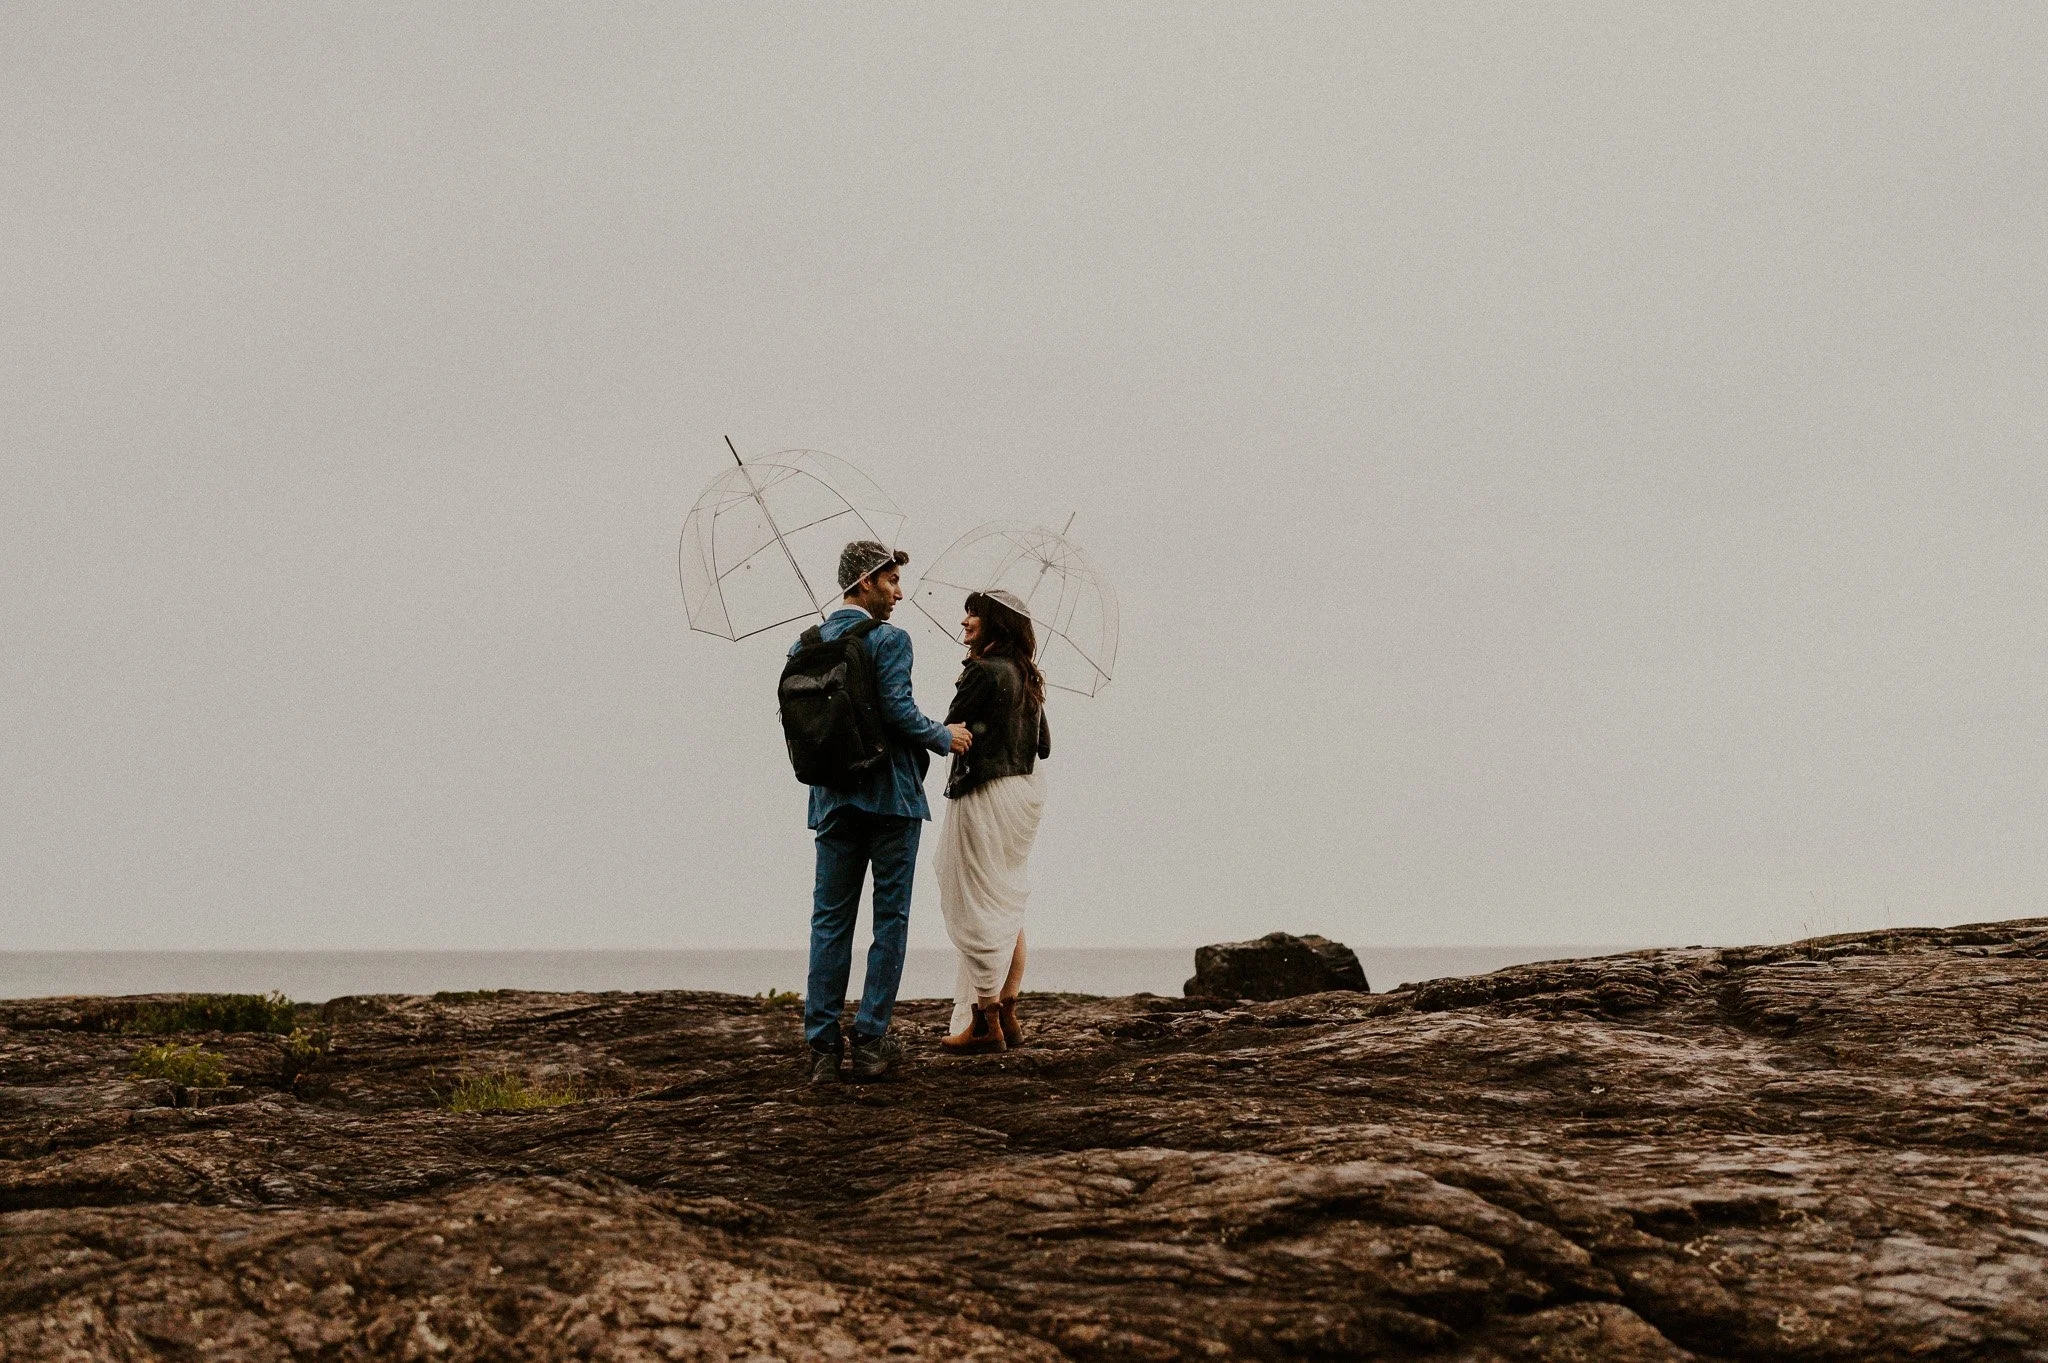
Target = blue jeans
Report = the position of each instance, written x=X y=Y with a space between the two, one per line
x=848 y=841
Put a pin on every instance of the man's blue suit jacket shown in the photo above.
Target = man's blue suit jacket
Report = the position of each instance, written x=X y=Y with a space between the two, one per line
x=896 y=786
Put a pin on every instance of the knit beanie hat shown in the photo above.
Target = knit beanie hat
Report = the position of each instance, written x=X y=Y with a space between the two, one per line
x=863 y=557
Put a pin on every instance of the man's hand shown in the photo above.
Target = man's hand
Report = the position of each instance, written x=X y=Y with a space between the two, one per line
x=962 y=740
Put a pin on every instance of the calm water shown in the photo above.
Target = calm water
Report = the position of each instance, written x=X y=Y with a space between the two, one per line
x=312 y=976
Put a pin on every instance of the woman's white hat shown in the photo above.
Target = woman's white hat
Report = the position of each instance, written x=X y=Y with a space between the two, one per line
x=1009 y=600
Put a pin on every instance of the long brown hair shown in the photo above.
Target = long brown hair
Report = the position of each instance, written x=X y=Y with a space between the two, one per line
x=1007 y=634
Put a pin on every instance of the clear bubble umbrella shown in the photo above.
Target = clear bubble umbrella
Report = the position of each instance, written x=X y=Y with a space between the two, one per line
x=1073 y=610
x=760 y=549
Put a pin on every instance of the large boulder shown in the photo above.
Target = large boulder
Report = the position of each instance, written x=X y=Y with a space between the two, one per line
x=1277 y=966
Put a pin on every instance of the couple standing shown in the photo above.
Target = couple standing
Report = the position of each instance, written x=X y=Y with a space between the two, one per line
x=995 y=732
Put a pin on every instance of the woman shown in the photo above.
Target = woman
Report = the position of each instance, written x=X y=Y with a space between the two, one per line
x=997 y=796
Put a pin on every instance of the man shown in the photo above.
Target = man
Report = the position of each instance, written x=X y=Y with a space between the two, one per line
x=876 y=822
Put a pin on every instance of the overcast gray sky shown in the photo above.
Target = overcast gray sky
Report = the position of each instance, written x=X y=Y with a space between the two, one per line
x=1572 y=474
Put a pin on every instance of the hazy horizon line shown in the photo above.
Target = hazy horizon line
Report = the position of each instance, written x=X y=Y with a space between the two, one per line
x=799 y=948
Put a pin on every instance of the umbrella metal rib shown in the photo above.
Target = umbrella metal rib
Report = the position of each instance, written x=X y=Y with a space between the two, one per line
x=767 y=516
x=848 y=511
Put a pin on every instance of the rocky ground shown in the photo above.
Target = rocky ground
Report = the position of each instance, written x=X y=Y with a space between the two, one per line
x=1828 y=1150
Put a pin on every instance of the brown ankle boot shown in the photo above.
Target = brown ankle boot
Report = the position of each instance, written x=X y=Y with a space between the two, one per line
x=983 y=1034
x=1006 y=1015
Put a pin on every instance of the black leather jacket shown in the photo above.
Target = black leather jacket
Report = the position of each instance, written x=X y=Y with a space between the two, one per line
x=1010 y=732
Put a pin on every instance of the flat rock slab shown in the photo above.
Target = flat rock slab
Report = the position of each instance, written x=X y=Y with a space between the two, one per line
x=1835 y=1149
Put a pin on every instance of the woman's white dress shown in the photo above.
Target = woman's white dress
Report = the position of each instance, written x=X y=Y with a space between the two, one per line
x=983 y=849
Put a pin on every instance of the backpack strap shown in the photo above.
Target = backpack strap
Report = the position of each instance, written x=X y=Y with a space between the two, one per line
x=857 y=635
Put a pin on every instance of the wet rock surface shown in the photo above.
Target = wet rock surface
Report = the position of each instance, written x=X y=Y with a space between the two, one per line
x=1835 y=1149
x=1276 y=966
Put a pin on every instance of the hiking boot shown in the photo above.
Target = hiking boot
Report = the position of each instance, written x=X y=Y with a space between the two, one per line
x=824 y=1066
x=873 y=1059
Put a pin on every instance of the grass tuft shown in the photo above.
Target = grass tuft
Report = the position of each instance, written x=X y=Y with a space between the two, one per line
x=300 y=1051
x=188 y=1066
x=507 y=1091
x=780 y=998
x=271 y=1012
x=466 y=995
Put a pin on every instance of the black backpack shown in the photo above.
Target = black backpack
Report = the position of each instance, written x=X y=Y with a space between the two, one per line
x=831 y=717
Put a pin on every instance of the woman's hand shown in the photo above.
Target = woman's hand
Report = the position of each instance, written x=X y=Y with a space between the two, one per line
x=962 y=740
